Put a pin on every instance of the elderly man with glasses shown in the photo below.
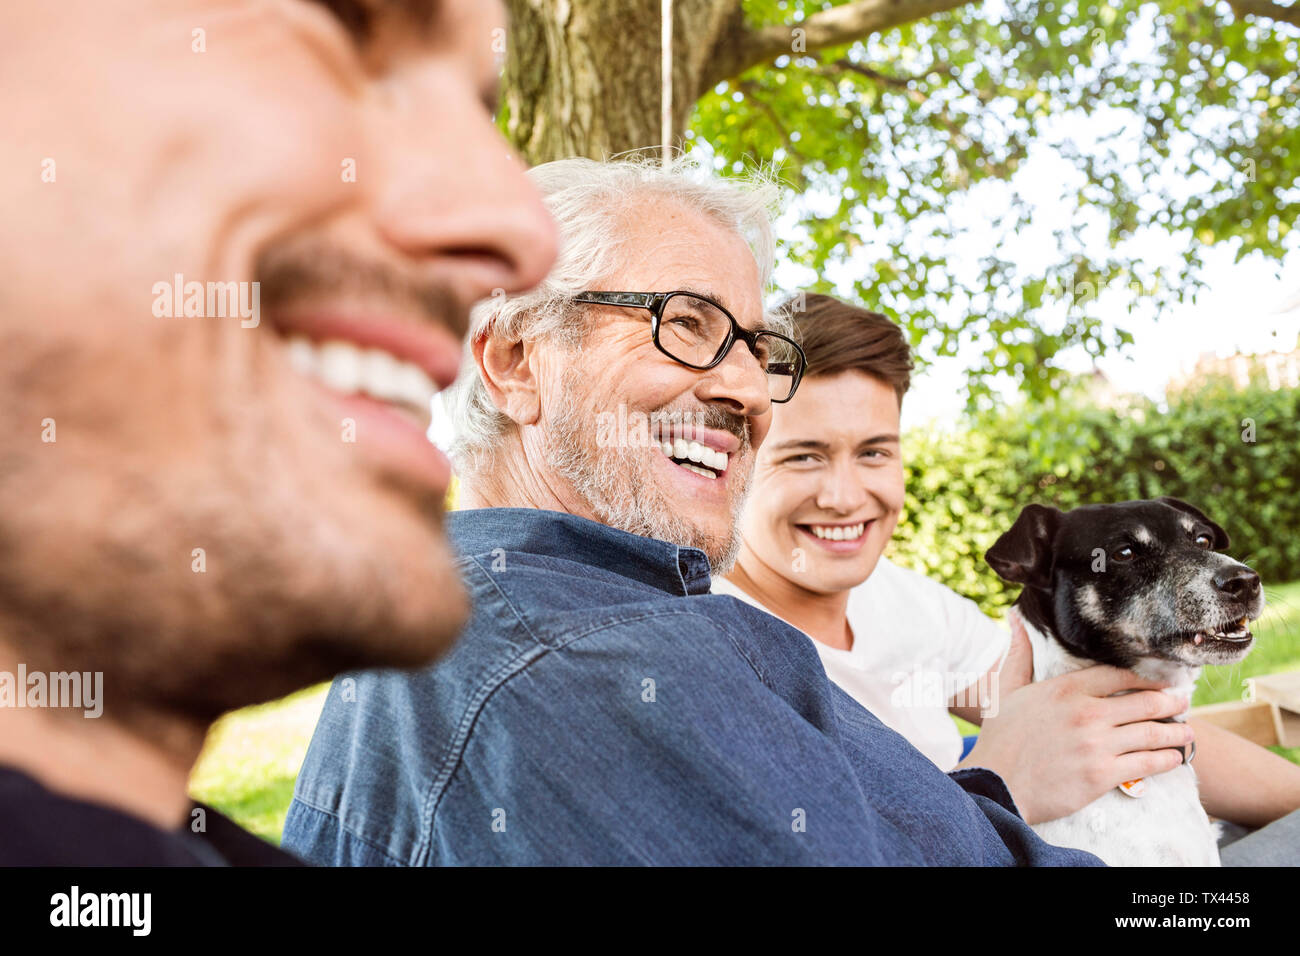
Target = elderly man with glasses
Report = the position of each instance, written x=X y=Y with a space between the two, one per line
x=602 y=707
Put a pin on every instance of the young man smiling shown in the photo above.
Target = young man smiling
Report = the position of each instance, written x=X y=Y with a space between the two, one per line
x=208 y=512
x=602 y=706
x=828 y=493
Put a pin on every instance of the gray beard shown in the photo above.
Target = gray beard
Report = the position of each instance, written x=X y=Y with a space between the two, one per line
x=616 y=485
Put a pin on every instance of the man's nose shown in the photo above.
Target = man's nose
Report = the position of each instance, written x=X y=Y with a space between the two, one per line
x=1238 y=582
x=842 y=490
x=454 y=193
x=738 y=382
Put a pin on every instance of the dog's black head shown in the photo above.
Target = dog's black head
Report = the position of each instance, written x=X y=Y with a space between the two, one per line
x=1122 y=582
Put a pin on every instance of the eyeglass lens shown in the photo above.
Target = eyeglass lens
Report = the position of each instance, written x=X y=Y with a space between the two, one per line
x=694 y=331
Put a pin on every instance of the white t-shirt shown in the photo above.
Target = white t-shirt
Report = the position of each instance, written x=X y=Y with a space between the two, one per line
x=917 y=644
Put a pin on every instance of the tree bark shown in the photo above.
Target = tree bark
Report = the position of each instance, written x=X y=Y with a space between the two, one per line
x=1268 y=9
x=744 y=47
x=582 y=77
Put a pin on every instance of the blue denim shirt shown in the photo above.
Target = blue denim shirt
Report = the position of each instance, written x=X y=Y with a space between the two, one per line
x=602 y=707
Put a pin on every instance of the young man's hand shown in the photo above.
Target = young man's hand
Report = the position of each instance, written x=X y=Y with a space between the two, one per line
x=1018 y=666
x=1061 y=743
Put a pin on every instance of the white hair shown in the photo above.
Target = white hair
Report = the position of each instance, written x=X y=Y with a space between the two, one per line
x=589 y=201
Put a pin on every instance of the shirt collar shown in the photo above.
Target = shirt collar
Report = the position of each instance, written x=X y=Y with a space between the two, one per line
x=556 y=534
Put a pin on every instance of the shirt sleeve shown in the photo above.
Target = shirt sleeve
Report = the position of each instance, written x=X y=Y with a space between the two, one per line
x=975 y=642
x=982 y=782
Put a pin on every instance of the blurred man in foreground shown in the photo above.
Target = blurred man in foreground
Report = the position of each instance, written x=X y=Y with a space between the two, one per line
x=242 y=241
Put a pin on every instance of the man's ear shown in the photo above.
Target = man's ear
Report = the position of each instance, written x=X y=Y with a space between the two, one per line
x=1221 y=539
x=509 y=377
x=1024 y=554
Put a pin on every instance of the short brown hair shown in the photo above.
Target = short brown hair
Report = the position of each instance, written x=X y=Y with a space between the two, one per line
x=840 y=337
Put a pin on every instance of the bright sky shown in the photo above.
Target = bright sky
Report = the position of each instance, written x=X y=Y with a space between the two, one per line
x=1247 y=309
x=1251 y=306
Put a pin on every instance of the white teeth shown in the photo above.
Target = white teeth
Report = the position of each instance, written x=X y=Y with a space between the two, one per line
x=699 y=471
x=379 y=375
x=348 y=368
x=683 y=450
x=339 y=366
x=416 y=384
x=302 y=355
x=839 y=532
x=707 y=456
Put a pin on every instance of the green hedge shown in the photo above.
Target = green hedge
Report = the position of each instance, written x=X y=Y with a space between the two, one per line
x=966 y=487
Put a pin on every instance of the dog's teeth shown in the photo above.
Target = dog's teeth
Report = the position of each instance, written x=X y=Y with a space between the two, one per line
x=1198 y=639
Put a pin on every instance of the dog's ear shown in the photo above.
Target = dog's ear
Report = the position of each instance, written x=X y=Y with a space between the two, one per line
x=1024 y=554
x=1221 y=539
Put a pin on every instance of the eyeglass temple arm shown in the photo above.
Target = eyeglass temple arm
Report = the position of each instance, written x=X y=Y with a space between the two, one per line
x=644 y=300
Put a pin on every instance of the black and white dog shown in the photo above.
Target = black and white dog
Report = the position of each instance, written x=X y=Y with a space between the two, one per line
x=1138 y=585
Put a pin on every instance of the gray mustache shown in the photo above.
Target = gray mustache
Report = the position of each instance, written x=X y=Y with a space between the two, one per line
x=709 y=416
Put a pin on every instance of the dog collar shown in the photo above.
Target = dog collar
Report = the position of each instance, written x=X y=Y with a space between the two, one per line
x=1137 y=788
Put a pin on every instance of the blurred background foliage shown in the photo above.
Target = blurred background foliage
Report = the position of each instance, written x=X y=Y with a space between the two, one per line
x=1175 y=122
x=965 y=488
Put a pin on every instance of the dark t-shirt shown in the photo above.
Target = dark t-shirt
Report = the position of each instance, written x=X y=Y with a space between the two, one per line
x=41 y=828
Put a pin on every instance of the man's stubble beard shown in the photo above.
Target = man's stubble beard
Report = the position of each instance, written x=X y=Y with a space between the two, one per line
x=99 y=551
x=273 y=610
x=616 y=484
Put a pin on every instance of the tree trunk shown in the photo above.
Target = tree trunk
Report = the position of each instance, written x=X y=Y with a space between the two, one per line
x=583 y=78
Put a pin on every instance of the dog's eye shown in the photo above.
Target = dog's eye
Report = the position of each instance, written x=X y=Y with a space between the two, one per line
x=1125 y=553
x=1203 y=540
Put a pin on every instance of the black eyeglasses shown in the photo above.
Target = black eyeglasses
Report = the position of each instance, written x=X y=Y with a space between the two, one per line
x=698 y=333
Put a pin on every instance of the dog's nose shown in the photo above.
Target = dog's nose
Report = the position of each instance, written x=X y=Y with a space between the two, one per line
x=1238 y=582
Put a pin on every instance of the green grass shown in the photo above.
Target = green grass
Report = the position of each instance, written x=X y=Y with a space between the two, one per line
x=252 y=756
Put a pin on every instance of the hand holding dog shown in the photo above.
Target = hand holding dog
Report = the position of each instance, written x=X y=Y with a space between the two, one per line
x=1018 y=665
x=1061 y=743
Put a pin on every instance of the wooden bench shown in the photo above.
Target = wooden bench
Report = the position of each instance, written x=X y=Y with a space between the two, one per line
x=1270 y=716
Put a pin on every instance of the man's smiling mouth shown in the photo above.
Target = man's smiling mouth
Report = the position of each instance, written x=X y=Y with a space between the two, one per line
x=699 y=449
x=349 y=369
x=843 y=539
x=398 y=364
x=378 y=370
x=696 y=458
x=836 y=532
